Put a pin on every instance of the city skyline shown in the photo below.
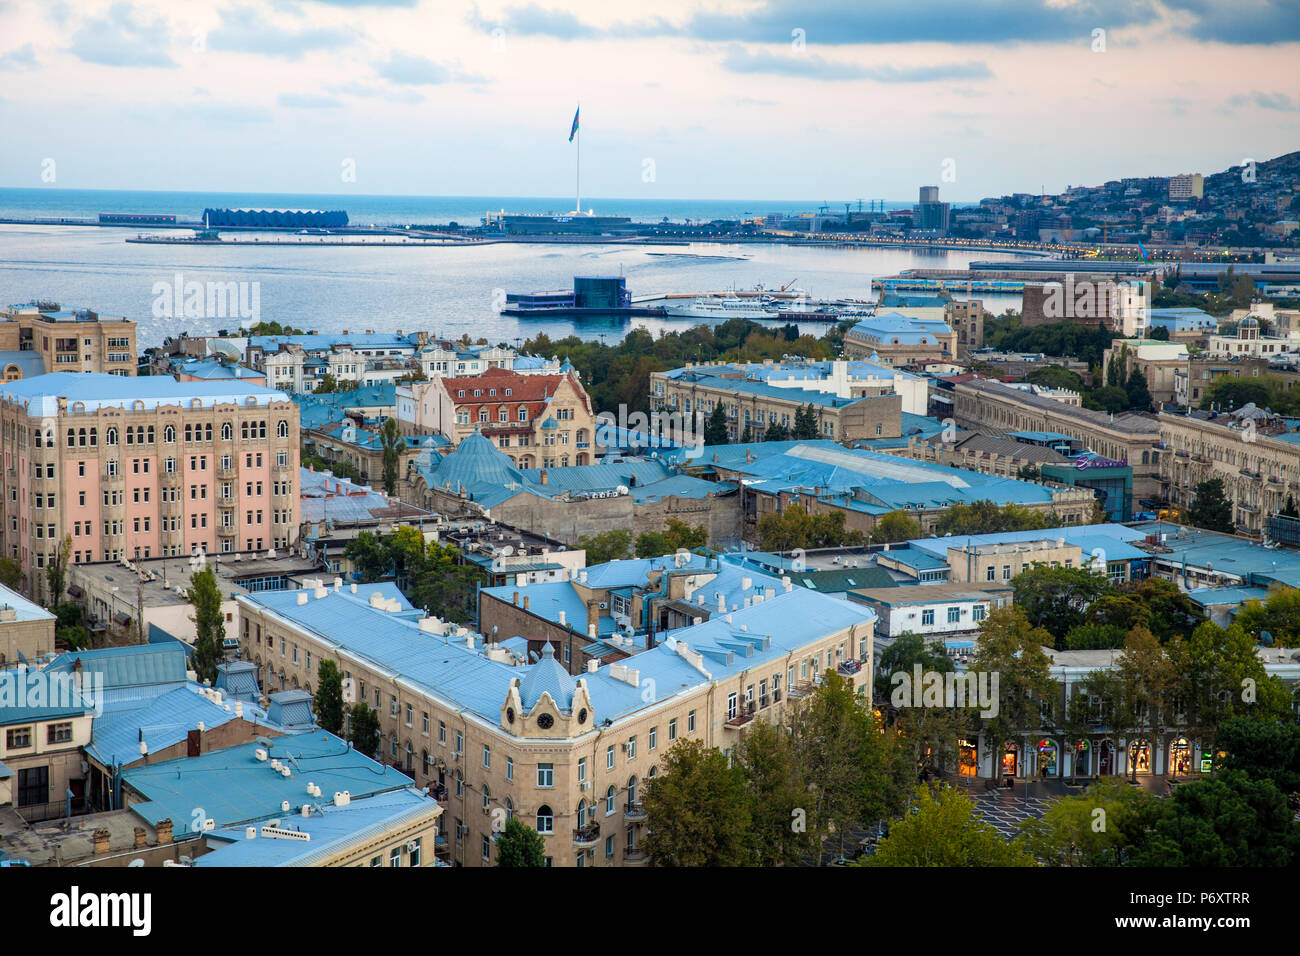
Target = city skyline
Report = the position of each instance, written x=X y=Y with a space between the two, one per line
x=397 y=97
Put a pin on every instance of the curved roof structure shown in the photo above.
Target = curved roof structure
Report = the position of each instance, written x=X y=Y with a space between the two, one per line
x=547 y=676
x=476 y=462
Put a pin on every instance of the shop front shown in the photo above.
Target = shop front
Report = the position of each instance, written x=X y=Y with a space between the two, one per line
x=1049 y=762
x=967 y=757
x=1180 y=757
x=1139 y=755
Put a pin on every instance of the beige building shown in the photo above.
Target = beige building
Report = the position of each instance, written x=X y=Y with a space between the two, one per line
x=1160 y=362
x=26 y=629
x=1132 y=438
x=873 y=411
x=68 y=340
x=896 y=340
x=966 y=319
x=494 y=736
x=1259 y=469
x=40 y=752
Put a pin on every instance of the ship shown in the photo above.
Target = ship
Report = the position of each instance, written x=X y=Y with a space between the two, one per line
x=726 y=307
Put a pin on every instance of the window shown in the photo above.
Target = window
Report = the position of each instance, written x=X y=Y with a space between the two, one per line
x=487 y=757
x=631 y=748
x=510 y=768
x=690 y=722
x=19 y=738
x=33 y=786
x=990 y=573
x=954 y=615
x=415 y=852
x=977 y=612
x=582 y=770
x=395 y=856
x=927 y=617
x=545 y=776
x=672 y=729
x=486 y=848
x=545 y=819
x=609 y=801
x=609 y=757
x=1006 y=572
x=654 y=738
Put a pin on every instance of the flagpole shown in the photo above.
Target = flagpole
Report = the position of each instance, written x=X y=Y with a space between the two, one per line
x=577 y=173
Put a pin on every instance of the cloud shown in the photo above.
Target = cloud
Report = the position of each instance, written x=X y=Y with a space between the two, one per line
x=366 y=91
x=22 y=58
x=1266 y=101
x=243 y=30
x=307 y=101
x=534 y=20
x=408 y=69
x=1241 y=22
x=740 y=60
x=121 y=39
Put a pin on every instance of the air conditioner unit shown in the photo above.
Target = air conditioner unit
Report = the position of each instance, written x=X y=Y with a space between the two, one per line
x=604 y=605
x=455 y=755
x=623 y=746
x=585 y=785
x=413 y=846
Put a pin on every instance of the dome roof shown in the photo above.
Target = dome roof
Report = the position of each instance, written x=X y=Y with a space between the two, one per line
x=547 y=676
x=476 y=461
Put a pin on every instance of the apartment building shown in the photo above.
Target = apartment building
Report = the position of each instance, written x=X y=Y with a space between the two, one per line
x=750 y=401
x=538 y=420
x=894 y=339
x=26 y=629
x=151 y=467
x=1161 y=363
x=1131 y=438
x=66 y=340
x=494 y=734
x=1256 y=457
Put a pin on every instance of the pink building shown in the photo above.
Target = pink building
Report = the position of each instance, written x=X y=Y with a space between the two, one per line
x=144 y=467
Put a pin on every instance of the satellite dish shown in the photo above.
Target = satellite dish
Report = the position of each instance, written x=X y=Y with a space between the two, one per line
x=507 y=551
x=1266 y=638
x=224 y=350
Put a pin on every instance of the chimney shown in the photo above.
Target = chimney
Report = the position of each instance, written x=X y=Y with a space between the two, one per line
x=562 y=622
x=516 y=599
x=593 y=618
x=140 y=838
x=164 y=831
x=101 y=838
x=525 y=602
x=544 y=477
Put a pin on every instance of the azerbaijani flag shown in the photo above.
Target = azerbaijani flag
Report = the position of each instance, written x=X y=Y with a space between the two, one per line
x=1141 y=248
x=573 y=131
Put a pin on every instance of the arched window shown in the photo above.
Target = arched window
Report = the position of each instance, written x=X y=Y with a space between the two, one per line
x=487 y=799
x=151 y=434
x=169 y=435
x=227 y=431
x=631 y=790
x=545 y=820
x=72 y=437
x=282 y=430
x=609 y=800
x=426 y=763
x=510 y=808
x=110 y=437
x=410 y=754
x=582 y=814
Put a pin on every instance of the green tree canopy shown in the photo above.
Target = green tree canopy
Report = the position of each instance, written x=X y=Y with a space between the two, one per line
x=1210 y=508
x=329 y=696
x=697 y=809
x=943 y=830
x=520 y=845
x=209 y=622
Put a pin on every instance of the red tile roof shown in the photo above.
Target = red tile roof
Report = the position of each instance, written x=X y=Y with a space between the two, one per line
x=530 y=389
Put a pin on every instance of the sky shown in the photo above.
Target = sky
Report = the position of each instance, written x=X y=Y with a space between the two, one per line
x=735 y=99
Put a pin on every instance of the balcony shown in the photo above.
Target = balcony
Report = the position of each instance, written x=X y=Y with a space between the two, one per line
x=740 y=719
x=226 y=531
x=802 y=689
x=586 y=836
x=634 y=812
x=226 y=473
x=850 y=666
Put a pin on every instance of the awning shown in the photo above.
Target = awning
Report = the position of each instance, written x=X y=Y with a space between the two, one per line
x=74 y=590
x=122 y=618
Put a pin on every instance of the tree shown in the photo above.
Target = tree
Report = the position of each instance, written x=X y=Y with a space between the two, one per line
x=715 y=429
x=943 y=830
x=677 y=535
x=328 y=383
x=606 y=546
x=766 y=758
x=329 y=697
x=209 y=623
x=1110 y=398
x=908 y=650
x=1225 y=820
x=1093 y=828
x=805 y=423
x=1210 y=509
x=1056 y=376
x=1278 y=614
x=1140 y=695
x=11 y=573
x=371 y=560
x=747 y=435
x=445 y=585
x=520 y=845
x=796 y=528
x=1057 y=599
x=986 y=517
x=363 y=729
x=1009 y=646
x=1263 y=749
x=394 y=443
x=1139 y=396
x=776 y=432
x=895 y=526
x=697 y=809
x=56 y=572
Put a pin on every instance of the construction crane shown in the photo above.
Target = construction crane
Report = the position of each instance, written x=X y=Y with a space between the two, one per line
x=788 y=284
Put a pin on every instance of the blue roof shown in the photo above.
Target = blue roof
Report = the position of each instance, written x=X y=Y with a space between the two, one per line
x=332 y=829
x=547 y=676
x=29 y=361
x=1216 y=597
x=763 y=634
x=24 y=610
x=1113 y=539
x=885 y=329
x=160 y=721
x=291 y=709
x=232 y=787
x=213 y=369
x=134 y=665
x=1226 y=554
x=99 y=390
x=319 y=342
